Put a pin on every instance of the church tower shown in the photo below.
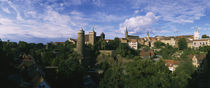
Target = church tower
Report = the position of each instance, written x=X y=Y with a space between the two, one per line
x=148 y=36
x=126 y=33
x=92 y=37
x=81 y=42
x=196 y=34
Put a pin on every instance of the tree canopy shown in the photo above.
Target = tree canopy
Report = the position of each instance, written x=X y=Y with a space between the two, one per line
x=205 y=36
x=182 y=44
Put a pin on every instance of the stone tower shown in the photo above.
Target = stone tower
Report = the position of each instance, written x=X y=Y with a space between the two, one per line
x=92 y=37
x=196 y=34
x=102 y=36
x=126 y=33
x=81 y=42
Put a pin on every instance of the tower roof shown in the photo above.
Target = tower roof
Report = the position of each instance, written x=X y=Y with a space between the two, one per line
x=93 y=29
x=81 y=30
x=196 y=29
x=126 y=29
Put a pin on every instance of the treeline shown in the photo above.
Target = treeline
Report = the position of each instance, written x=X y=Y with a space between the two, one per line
x=73 y=72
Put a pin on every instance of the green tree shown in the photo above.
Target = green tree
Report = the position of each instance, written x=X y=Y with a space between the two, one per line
x=182 y=44
x=182 y=74
x=205 y=36
x=147 y=74
x=104 y=45
x=204 y=48
x=159 y=44
x=70 y=73
x=167 y=52
x=112 y=45
x=112 y=78
x=124 y=50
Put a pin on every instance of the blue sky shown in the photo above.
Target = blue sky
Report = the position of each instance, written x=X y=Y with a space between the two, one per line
x=57 y=20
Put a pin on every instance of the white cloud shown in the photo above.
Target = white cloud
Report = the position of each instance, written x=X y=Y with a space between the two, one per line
x=98 y=3
x=6 y=10
x=139 y=23
x=136 y=11
x=18 y=17
x=31 y=13
x=51 y=25
x=176 y=11
x=103 y=17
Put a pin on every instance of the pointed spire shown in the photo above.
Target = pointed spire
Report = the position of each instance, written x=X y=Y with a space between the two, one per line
x=126 y=29
x=93 y=29
x=81 y=28
x=196 y=28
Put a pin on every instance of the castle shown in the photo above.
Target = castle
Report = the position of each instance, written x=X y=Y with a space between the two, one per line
x=88 y=39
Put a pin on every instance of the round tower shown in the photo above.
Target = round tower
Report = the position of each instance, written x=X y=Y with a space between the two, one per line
x=126 y=33
x=81 y=42
x=102 y=36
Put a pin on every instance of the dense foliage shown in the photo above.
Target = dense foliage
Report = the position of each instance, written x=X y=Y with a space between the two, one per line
x=68 y=69
x=182 y=44
x=167 y=52
x=147 y=74
x=159 y=44
x=205 y=36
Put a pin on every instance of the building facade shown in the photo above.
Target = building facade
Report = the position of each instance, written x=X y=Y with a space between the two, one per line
x=198 y=41
x=133 y=44
x=201 y=43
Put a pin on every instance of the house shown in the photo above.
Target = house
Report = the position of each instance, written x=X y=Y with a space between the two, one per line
x=171 y=64
x=133 y=43
x=146 y=53
x=108 y=40
x=201 y=42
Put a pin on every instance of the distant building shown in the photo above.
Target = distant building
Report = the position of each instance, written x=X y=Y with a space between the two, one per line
x=59 y=43
x=108 y=40
x=146 y=53
x=196 y=34
x=133 y=43
x=91 y=38
x=171 y=64
x=130 y=36
x=81 y=42
x=201 y=42
x=83 y=39
x=169 y=40
x=198 y=42
x=131 y=40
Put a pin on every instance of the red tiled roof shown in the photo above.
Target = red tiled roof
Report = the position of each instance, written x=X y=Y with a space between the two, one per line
x=170 y=63
x=132 y=40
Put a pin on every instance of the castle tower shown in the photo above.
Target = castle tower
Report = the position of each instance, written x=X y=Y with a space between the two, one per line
x=102 y=36
x=92 y=37
x=126 y=33
x=196 y=34
x=81 y=42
